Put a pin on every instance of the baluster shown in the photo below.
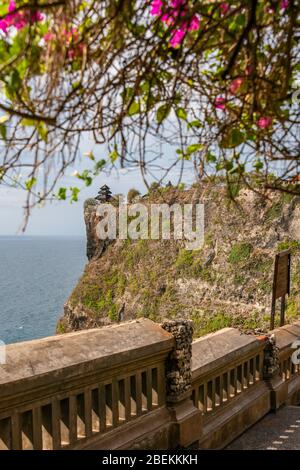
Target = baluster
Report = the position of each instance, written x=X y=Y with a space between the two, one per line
x=102 y=407
x=56 y=426
x=213 y=394
x=122 y=410
x=154 y=392
x=138 y=379
x=225 y=387
x=228 y=385
x=205 y=397
x=233 y=382
x=37 y=429
x=246 y=374
x=127 y=399
x=88 y=412
x=149 y=389
x=218 y=391
x=251 y=372
x=144 y=391
x=16 y=431
x=73 y=419
x=239 y=370
x=195 y=396
x=115 y=402
x=259 y=367
x=161 y=385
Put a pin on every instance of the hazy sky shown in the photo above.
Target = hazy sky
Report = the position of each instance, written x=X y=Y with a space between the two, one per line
x=63 y=218
x=58 y=218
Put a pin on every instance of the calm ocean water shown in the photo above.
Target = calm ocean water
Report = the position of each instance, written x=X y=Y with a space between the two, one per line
x=37 y=274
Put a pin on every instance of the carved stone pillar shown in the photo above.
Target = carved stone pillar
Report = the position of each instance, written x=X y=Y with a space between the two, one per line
x=271 y=374
x=186 y=426
x=178 y=367
x=271 y=358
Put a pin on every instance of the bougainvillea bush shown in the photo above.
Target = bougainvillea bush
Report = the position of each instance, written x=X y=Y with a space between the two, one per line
x=206 y=82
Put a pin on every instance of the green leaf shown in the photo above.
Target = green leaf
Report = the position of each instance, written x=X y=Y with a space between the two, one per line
x=210 y=157
x=241 y=20
x=258 y=165
x=42 y=131
x=134 y=108
x=232 y=27
x=113 y=156
x=163 y=112
x=234 y=139
x=99 y=165
x=194 y=148
x=3 y=119
x=181 y=113
x=195 y=123
x=62 y=194
x=28 y=122
x=74 y=194
x=30 y=183
x=3 y=131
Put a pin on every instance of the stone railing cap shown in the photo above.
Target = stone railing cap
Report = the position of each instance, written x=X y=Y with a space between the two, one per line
x=215 y=350
x=102 y=348
x=286 y=335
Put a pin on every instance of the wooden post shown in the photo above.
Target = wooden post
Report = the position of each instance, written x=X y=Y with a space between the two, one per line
x=273 y=310
x=282 y=311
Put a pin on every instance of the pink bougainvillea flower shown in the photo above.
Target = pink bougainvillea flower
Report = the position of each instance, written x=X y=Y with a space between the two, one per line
x=194 y=25
x=220 y=103
x=236 y=85
x=4 y=26
x=49 y=36
x=284 y=4
x=19 y=19
x=224 y=7
x=264 y=122
x=156 y=6
x=177 y=37
x=11 y=6
x=174 y=11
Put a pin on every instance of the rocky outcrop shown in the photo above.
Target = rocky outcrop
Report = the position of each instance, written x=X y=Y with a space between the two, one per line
x=226 y=283
x=94 y=247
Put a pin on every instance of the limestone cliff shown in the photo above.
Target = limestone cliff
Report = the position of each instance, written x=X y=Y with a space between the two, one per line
x=226 y=283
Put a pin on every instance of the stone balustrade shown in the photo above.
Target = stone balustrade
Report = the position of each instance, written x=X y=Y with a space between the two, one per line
x=139 y=385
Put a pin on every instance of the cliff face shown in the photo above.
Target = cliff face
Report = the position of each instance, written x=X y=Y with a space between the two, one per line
x=226 y=283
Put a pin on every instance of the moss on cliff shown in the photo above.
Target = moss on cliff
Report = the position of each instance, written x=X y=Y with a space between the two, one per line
x=226 y=283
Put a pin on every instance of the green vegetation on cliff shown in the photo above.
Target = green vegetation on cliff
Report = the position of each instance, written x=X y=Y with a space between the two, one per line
x=226 y=283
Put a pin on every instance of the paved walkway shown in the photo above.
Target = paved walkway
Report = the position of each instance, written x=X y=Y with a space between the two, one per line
x=280 y=431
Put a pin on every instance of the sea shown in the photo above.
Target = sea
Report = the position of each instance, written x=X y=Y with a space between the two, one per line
x=37 y=275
